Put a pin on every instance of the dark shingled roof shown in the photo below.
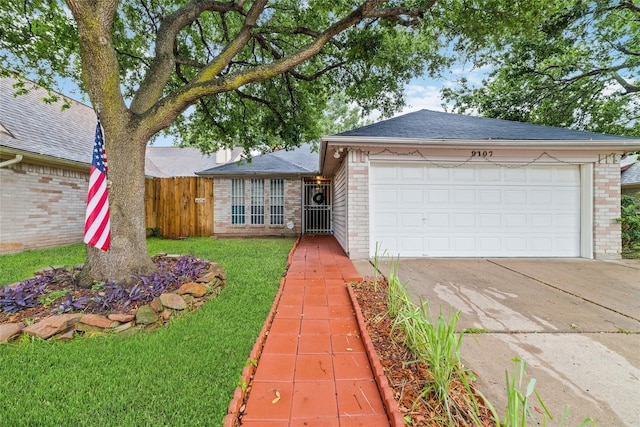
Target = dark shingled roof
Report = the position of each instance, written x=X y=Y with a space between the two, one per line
x=631 y=175
x=33 y=126
x=427 y=124
x=298 y=161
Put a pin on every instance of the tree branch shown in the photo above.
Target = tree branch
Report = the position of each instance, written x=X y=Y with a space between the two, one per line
x=231 y=50
x=160 y=71
x=263 y=102
x=208 y=83
x=628 y=87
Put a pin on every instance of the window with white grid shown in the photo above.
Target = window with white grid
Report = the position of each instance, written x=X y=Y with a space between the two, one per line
x=237 y=201
x=277 y=201
x=257 y=201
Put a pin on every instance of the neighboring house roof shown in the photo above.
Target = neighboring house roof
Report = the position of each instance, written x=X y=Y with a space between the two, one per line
x=163 y=162
x=30 y=126
x=299 y=161
x=40 y=130
x=631 y=175
x=438 y=125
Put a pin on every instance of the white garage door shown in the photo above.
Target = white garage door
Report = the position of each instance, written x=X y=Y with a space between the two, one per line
x=418 y=209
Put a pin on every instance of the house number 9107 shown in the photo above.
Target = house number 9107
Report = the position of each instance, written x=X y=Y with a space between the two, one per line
x=483 y=153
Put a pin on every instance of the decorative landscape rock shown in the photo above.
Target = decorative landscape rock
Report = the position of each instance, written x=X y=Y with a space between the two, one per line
x=192 y=288
x=124 y=327
x=146 y=315
x=50 y=326
x=173 y=301
x=9 y=331
x=98 y=321
x=156 y=305
x=122 y=318
x=190 y=296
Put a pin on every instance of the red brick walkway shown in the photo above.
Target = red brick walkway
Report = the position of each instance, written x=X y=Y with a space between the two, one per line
x=313 y=370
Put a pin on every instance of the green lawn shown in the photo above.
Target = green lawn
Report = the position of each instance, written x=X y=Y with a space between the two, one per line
x=181 y=375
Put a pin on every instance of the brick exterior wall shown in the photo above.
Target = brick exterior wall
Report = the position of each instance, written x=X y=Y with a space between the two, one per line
x=358 y=204
x=41 y=206
x=606 y=208
x=222 y=210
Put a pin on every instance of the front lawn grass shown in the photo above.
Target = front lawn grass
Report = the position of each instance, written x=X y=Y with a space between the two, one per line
x=182 y=374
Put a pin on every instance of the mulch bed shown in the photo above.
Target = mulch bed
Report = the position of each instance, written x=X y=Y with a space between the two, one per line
x=407 y=377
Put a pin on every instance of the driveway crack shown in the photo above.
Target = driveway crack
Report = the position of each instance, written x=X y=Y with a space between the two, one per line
x=561 y=290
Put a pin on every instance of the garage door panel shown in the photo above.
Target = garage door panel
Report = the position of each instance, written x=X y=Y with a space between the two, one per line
x=489 y=244
x=385 y=196
x=464 y=196
x=464 y=220
x=412 y=197
x=410 y=221
x=543 y=221
x=437 y=220
x=489 y=220
x=489 y=175
x=463 y=175
x=540 y=197
x=489 y=197
x=476 y=210
x=514 y=197
x=437 y=196
x=464 y=245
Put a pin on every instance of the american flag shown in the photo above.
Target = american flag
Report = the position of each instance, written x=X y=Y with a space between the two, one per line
x=97 y=223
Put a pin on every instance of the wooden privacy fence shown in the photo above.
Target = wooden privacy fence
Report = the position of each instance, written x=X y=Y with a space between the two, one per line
x=179 y=206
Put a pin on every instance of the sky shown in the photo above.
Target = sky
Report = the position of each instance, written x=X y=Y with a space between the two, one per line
x=421 y=93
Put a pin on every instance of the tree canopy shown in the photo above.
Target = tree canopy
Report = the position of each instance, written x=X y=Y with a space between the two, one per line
x=579 y=68
x=233 y=73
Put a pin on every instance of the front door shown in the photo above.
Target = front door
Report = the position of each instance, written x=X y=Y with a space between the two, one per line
x=317 y=206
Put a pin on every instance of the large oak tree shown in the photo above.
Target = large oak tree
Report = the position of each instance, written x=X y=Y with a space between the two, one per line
x=231 y=73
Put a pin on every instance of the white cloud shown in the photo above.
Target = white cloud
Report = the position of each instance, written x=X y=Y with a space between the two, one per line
x=420 y=97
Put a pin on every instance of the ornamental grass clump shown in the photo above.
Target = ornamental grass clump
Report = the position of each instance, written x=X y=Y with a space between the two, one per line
x=437 y=345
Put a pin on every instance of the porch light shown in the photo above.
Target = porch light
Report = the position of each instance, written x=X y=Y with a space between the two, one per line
x=336 y=154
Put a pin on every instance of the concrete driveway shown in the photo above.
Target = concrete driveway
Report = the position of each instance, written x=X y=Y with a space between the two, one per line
x=576 y=323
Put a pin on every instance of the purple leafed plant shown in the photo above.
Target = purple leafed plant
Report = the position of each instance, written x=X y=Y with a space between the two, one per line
x=27 y=293
x=69 y=304
x=148 y=287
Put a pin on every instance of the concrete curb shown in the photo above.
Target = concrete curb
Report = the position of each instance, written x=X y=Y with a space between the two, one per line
x=393 y=411
x=240 y=393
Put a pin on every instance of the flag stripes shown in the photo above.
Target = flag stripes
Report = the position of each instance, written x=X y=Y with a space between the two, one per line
x=97 y=225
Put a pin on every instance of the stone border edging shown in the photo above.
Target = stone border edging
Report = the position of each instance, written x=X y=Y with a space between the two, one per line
x=240 y=393
x=393 y=411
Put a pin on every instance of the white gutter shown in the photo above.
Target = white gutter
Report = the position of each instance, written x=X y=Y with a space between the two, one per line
x=17 y=159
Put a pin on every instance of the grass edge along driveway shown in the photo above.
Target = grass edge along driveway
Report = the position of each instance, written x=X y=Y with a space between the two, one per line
x=182 y=374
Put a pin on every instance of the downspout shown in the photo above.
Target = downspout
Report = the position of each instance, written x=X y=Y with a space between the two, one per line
x=17 y=159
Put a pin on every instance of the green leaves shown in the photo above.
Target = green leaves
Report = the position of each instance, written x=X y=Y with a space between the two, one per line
x=577 y=67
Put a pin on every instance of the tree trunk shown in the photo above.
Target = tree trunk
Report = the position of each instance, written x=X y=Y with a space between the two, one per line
x=127 y=254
